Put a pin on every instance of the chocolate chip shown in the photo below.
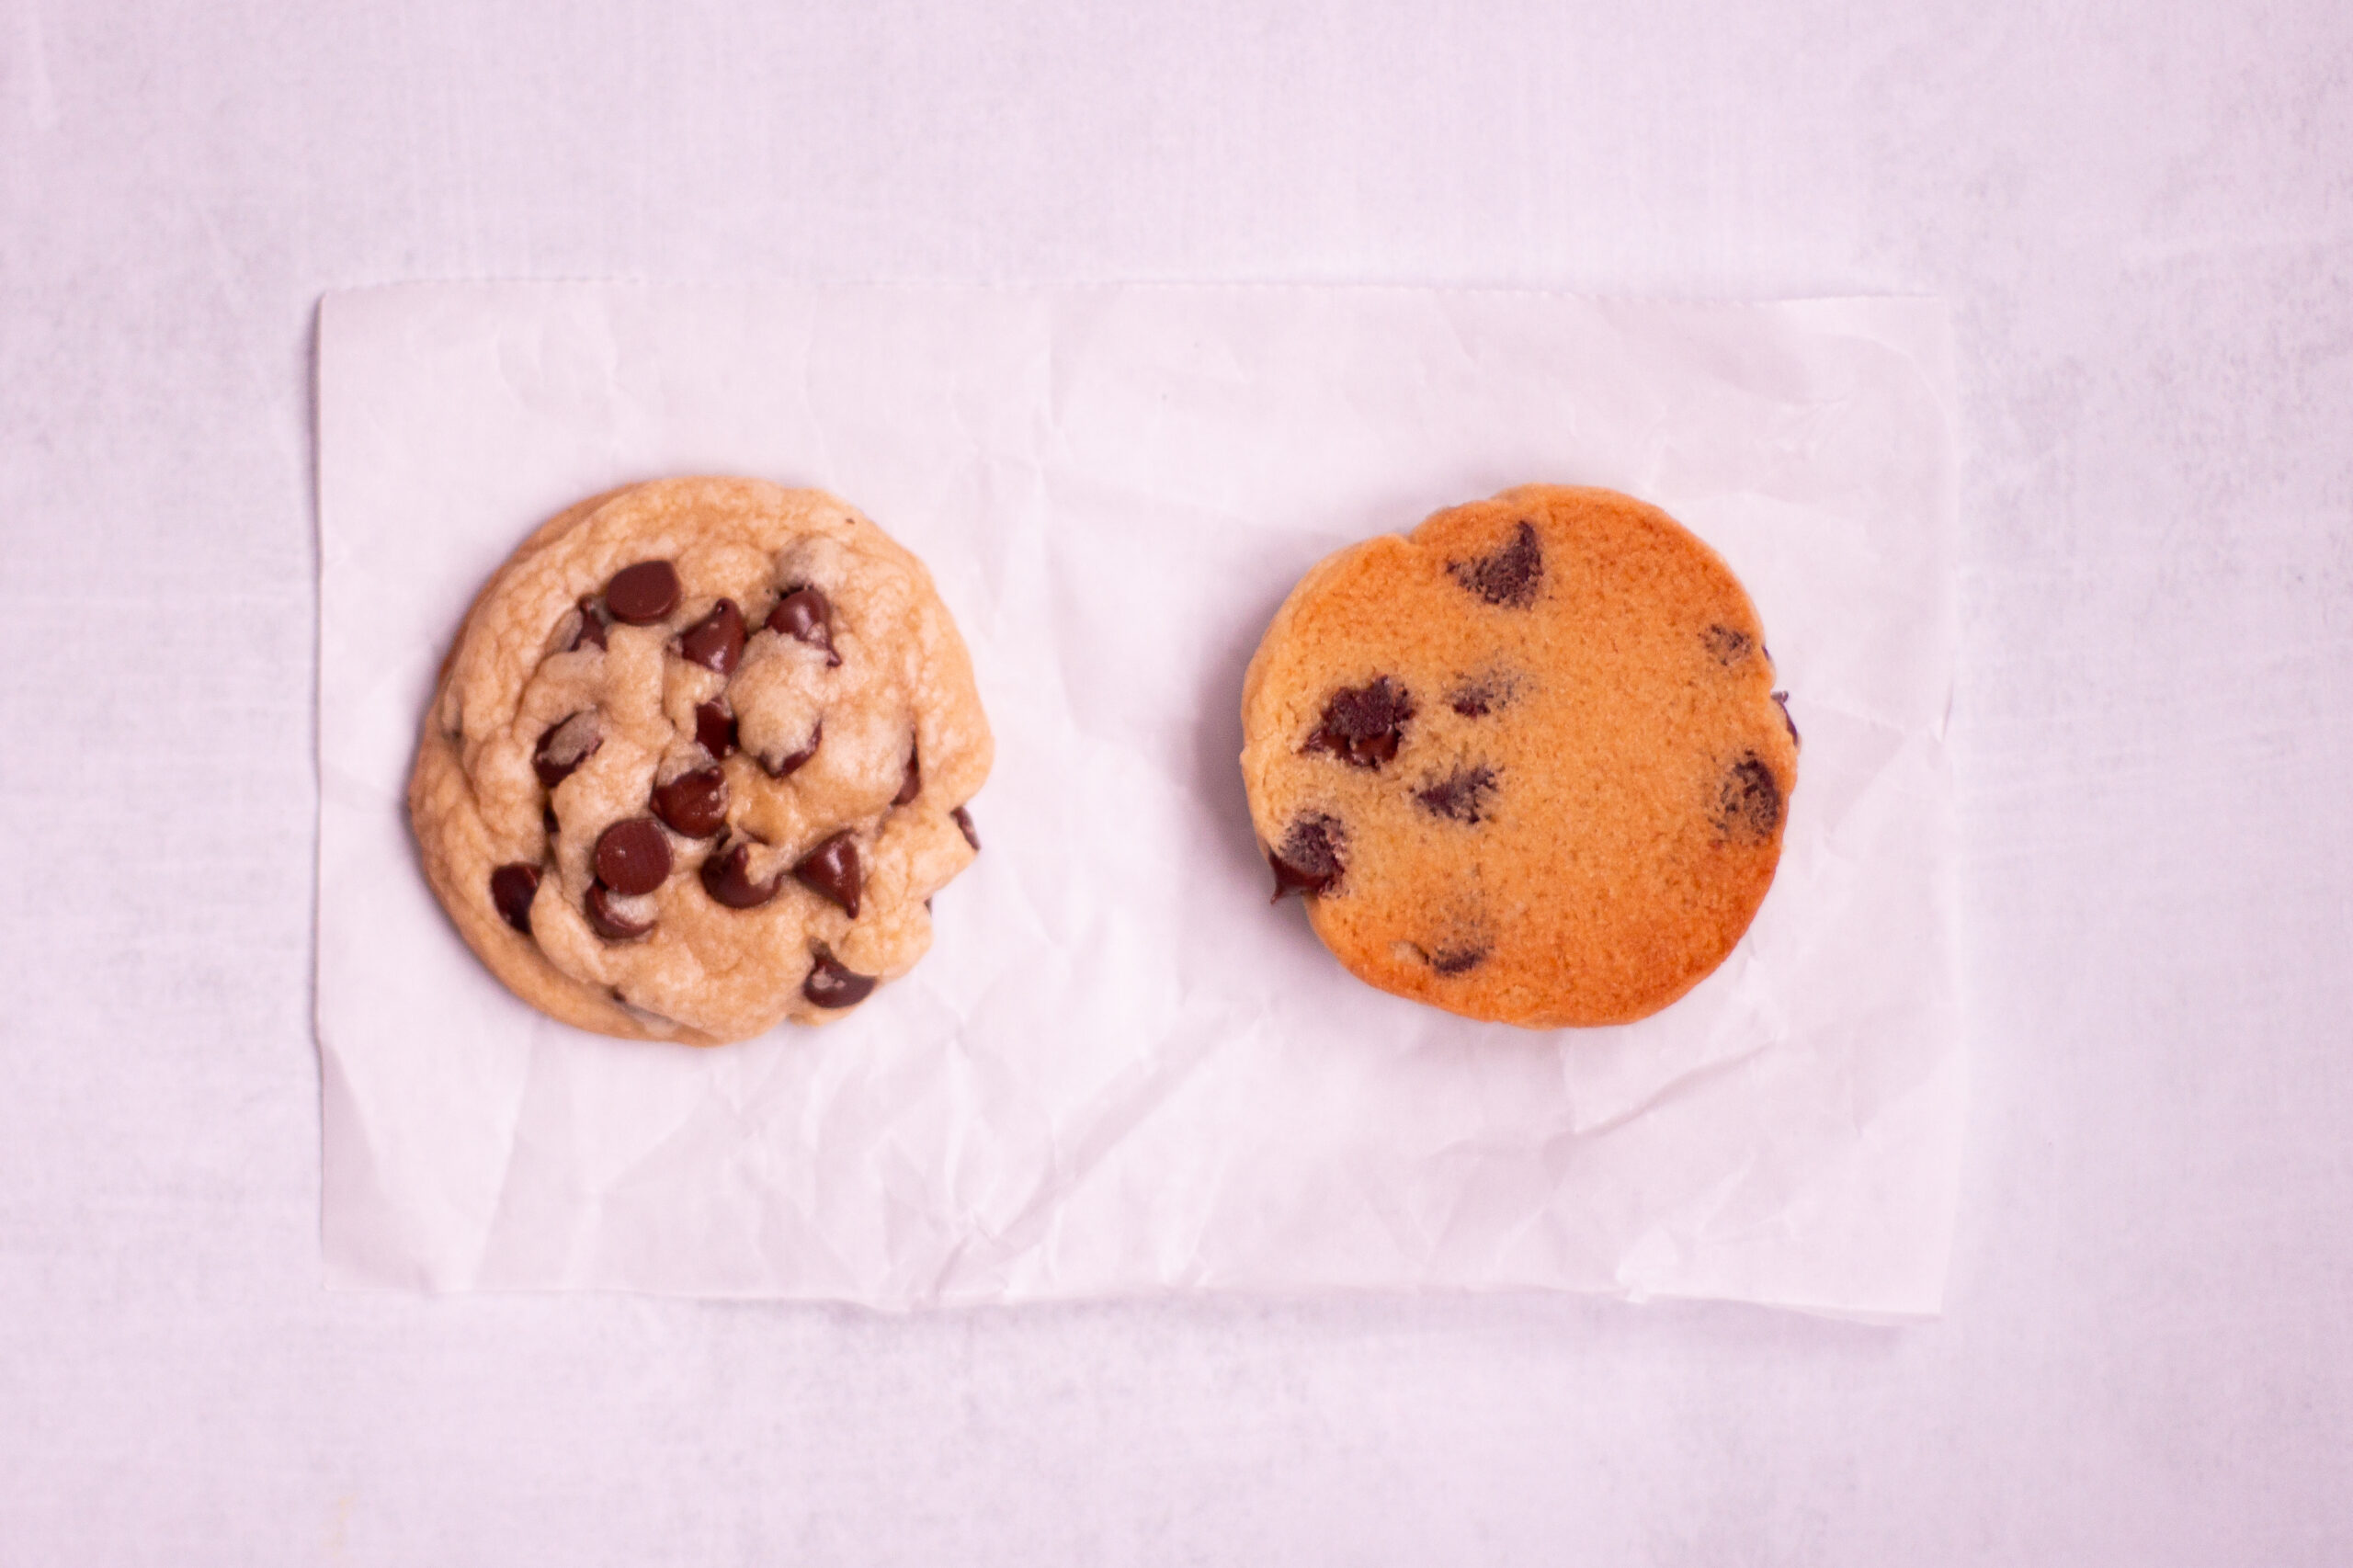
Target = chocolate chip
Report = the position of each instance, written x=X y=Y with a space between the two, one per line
x=1511 y=576
x=832 y=868
x=567 y=743
x=806 y=615
x=715 y=729
x=912 y=785
x=512 y=888
x=1458 y=960
x=608 y=922
x=642 y=594
x=1363 y=725
x=1749 y=809
x=1310 y=861
x=694 y=803
x=1460 y=796
x=716 y=641
x=632 y=857
x=964 y=821
x=1472 y=701
x=783 y=766
x=831 y=985
x=1728 y=646
x=1781 y=699
x=591 y=632
x=727 y=876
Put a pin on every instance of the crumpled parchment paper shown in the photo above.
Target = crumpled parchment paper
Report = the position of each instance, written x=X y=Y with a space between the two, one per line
x=1119 y=1070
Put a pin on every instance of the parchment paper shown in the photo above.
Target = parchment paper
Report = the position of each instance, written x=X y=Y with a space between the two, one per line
x=1121 y=1071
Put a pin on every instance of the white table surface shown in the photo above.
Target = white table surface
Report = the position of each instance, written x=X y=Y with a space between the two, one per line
x=2144 y=216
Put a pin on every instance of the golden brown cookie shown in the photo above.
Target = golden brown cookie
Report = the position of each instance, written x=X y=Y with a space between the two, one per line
x=1526 y=763
x=698 y=761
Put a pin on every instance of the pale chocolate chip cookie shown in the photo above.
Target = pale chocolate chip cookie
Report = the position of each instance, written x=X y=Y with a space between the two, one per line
x=698 y=761
x=1527 y=763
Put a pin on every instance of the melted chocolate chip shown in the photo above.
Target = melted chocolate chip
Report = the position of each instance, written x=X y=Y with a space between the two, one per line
x=806 y=616
x=567 y=743
x=832 y=868
x=1727 y=645
x=1511 y=576
x=964 y=821
x=632 y=857
x=716 y=642
x=1472 y=699
x=1363 y=725
x=1749 y=809
x=591 y=632
x=1460 y=796
x=1309 y=861
x=608 y=922
x=512 y=888
x=831 y=985
x=727 y=876
x=642 y=594
x=783 y=766
x=1781 y=700
x=693 y=803
x=1458 y=960
x=912 y=785
x=715 y=729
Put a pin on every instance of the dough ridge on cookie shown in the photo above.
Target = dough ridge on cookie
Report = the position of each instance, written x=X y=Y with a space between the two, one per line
x=1528 y=763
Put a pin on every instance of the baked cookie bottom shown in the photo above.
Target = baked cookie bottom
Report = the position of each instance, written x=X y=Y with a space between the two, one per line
x=1526 y=764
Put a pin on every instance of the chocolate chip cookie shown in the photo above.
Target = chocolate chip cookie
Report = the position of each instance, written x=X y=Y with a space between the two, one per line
x=698 y=761
x=1527 y=763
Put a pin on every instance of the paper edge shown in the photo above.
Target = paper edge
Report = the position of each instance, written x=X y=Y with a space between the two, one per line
x=1929 y=342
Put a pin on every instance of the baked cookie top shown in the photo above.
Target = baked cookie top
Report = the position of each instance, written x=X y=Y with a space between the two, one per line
x=1526 y=763
x=698 y=761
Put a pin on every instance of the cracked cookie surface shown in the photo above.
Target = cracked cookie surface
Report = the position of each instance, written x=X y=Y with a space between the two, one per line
x=699 y=760
x=1527 y=763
